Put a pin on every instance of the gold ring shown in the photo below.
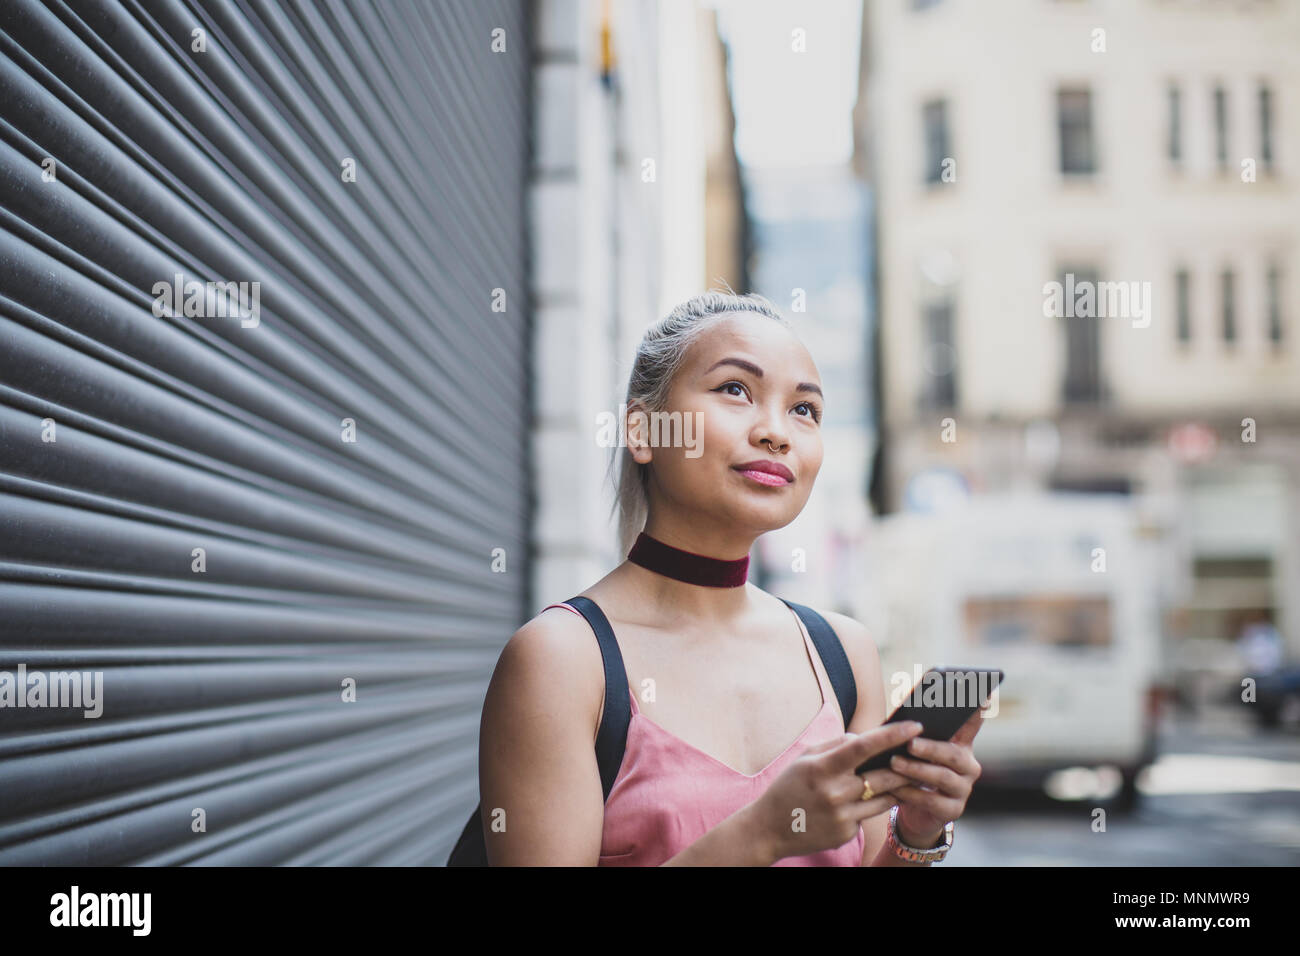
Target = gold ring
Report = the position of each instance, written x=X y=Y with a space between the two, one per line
x=867 y=792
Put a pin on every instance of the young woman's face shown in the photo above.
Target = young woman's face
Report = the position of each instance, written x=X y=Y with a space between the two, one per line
x=753 y=394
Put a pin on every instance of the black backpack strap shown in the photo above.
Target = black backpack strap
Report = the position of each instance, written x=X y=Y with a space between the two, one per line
x=833 y=657
x=611 y=739
x=470 y=850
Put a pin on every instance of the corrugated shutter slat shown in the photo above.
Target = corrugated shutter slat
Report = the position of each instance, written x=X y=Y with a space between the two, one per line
x=325 y=559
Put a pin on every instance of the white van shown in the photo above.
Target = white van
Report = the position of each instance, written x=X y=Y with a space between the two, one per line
x=1054 y=589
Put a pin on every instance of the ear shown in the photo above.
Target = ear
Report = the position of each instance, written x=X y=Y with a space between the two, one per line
x=637 y=425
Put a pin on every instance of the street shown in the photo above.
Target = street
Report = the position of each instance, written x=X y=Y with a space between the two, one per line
x=1222 y=793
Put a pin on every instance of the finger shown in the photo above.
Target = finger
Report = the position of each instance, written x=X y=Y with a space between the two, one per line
x=939 y=777
x=932 y=776
x=883 y=781
x=849 y=755
x=945 y=753
x=863 y=809
x=967 y=731
x=931 y=801
x=824 y=745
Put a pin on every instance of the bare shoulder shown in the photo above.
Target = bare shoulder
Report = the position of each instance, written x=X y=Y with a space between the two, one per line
x=557 y=649
x=864 y=658
x=554 y=628
x=551 y=663
x=859 y=644
x=536 y=753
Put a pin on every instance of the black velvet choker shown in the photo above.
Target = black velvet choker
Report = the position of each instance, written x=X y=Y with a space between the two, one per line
x=654 y=555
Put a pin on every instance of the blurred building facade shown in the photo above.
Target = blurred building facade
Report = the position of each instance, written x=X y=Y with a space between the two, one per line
x=728 y=239
x=810 y=259
x=636 y=205
x=1017 y=144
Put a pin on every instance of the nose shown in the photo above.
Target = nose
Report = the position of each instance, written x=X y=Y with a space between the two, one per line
x=771 y=431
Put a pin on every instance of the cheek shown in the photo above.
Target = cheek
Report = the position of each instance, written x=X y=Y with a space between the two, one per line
x=717 y=435
x=813 y=453
x=811 y=471
x=689 y=467
x=816 y=466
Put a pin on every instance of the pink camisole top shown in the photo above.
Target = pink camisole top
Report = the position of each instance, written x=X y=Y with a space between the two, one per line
x=668 y=793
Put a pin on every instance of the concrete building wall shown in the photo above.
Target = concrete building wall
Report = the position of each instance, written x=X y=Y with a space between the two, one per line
x=1011 y=220
x=618 y=234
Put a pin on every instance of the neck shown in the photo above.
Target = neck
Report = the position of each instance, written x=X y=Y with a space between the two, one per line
x=689 y=596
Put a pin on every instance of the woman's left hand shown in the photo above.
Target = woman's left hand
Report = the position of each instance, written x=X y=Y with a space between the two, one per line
x=945 y=774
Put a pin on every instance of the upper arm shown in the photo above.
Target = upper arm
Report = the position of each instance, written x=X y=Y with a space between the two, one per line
x=864 y=658
x=537 y=759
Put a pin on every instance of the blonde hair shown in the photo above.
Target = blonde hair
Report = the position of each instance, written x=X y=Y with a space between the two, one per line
x=658 y=357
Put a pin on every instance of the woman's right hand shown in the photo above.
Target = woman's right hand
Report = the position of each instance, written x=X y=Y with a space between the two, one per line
x=821 y=783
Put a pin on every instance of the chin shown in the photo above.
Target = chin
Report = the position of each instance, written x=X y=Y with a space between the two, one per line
x=782 y=522
x=762 y=520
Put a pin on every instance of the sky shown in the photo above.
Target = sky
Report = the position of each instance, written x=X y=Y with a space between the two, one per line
x=792 y=109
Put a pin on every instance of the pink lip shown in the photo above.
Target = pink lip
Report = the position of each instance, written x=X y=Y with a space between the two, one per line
x=766 y=472
x=764 y=478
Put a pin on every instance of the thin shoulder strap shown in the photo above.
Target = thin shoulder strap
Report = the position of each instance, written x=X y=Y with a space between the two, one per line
x=833 y=657
x=611 y=739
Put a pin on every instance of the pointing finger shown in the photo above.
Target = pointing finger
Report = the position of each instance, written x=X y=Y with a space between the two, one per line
x=824 y=745
x=848 y=755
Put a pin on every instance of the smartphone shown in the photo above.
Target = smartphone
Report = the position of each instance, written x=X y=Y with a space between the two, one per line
x=941 y=702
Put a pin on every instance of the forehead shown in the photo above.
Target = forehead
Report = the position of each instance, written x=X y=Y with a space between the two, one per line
x=773 y=347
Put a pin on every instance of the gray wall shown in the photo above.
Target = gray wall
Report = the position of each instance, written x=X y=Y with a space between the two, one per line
x=129 y=440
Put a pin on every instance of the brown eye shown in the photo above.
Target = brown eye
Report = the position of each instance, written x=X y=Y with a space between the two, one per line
x=813 y=411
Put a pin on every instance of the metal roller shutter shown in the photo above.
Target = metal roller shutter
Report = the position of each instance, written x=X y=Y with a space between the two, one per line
x=323 y=559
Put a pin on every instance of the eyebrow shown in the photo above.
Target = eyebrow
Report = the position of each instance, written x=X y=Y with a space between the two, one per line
x=758 y=373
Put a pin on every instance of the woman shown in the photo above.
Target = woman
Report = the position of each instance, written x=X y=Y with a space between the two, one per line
x=736 y=753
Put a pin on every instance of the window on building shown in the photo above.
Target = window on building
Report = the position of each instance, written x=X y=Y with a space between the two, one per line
x=1265 y=127
x=939 y=365
x=1227 y=281
x=1082 y=383
x=1183 y=303
x=1273 y=292
x=1221 y=127
x=1175 y=144
x=935 y=117
x=1074 y=121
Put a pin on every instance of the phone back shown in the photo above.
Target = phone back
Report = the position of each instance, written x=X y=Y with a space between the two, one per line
x=941 y=702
